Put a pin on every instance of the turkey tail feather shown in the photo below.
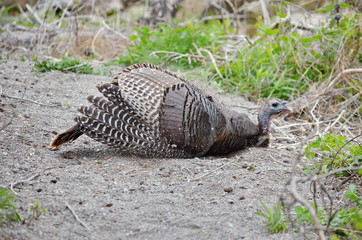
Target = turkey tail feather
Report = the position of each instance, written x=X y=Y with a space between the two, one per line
x=68 y=136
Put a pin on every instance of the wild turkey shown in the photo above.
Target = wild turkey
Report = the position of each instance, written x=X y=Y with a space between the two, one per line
x=151 y=112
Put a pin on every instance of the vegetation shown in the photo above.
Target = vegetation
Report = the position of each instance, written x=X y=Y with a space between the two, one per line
x=281 y=63
x=275 y=220
x=8 y=211
x=344 y=158
x=178 y=45
x=343 y=223
x=67 y=65
x=334 y=152
x=35 y=212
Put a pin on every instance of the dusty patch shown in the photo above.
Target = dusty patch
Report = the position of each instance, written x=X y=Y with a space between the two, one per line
x=122 y=197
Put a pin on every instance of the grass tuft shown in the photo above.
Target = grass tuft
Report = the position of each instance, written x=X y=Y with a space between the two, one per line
x=275 y=220
x=67 y=65
x=178 y=46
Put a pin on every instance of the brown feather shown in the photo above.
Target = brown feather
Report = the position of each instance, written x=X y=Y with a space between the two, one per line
x=68 y=136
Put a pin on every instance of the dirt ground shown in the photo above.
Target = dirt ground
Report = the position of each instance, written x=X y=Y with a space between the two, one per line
x=124 y=197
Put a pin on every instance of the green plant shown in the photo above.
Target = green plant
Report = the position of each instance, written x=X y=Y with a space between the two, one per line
x=4 y=11
x=283 y=63
x=36 y=210
x=344 y=222
x=8 y=211
x=335 y=152
x=275 y=220
x=7 y=16
x=179 y=44
x=66 y=65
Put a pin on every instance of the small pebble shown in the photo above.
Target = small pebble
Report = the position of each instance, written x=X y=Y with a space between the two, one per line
x=257 y=171
x=228 y=189
x=68 y=155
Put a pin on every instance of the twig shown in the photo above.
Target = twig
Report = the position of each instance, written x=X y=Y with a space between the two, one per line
x=112 y=30
x=94 y=41
x=36 y=17
x=264 y=9
x=10 y=121
x=334 y=123
x=28 y=100
x=315 y=118
x=293 y=190
x=344 y=72
x=272 y=157
x=208 y=173
x=280 y=130
x=207 y=18
x=351 y=115
x=302 y=124
x=76 y=217
x=347 y=179
x=212 y=60
x=250 y=108
x=75 y=66
x=13 y=184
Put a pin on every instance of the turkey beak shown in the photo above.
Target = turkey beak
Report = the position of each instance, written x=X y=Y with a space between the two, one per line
x=285 y=108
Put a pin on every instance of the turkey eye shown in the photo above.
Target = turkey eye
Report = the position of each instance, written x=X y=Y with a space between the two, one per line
x=274 y=104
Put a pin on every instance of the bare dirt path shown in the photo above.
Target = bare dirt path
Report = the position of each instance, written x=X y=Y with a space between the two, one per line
x=122 y=197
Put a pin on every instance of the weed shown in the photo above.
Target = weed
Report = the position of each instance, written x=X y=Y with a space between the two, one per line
x=344 y=222
x=274 y=217
x=153 y=45
x=66 y=65
x=6 y=16
x=283 y=63
x=4 y=11
x=335 y=152
x=8 y=211
x=37 y=210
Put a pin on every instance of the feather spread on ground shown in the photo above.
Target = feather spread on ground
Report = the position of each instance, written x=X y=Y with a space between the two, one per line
x=151 y=112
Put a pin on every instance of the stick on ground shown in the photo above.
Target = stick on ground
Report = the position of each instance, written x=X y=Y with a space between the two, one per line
x=76 y=217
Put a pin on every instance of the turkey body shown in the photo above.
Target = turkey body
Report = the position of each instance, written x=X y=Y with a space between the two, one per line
x=153 y=113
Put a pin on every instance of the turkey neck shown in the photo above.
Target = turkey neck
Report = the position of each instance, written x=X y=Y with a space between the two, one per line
x=263 y=119
x=239 y=133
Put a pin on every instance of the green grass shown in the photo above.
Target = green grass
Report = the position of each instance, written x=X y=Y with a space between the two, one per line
x=282 y=63
x=274 y=217
x=67 y=65
x=180 y=41
x=8 y=212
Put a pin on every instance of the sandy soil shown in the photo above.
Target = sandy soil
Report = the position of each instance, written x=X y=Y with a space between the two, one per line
x=123 y=197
